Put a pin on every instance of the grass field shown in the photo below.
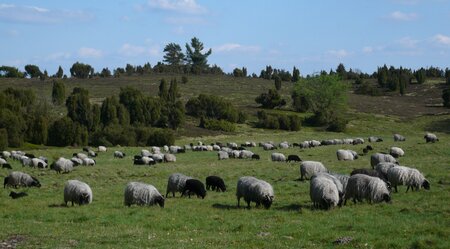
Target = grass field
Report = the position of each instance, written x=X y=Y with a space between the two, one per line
x=413 y=220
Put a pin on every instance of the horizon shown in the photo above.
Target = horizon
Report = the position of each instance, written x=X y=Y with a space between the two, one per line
x=310 y=36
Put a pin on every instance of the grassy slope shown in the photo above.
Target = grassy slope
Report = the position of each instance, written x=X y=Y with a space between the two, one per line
x=418 y=219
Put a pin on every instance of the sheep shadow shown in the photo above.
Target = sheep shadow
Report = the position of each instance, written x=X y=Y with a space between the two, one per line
x=292 y=207
x=225 y=206
x=62 y=205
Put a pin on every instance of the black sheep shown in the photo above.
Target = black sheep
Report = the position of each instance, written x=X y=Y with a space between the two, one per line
x=194 y=186
x=294 y=158
x=29 y=155
x=138 y=161
x=6 y=166
x=15 y=195
x=368 y=147
x=181 y=150
x=255 y=156
x=215 y=183
x=136 y=157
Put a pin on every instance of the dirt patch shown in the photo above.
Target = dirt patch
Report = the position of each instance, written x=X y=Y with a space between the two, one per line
x=12 y=241
x=419 y=100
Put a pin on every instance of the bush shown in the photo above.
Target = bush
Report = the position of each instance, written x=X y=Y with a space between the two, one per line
x=279 y=121
x=217 y=125
x=3 y=139
x=368 y=89
x=161 y=137
x=270 y=100
x=339 y=124
x=213 y=107
x=446 y=97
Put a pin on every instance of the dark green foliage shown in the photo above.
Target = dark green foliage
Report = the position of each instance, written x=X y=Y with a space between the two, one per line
x=368 y=89
x=61 y=132
x=10 y=72
x=142 y=110
x=161 y=137
x=299 y=102
x=341 y=72
x=82 y=71
x=393 y=82
x=382 y=75
x=277 y=82
x=129 y=69
x=295 y=74
x=446 y=97
x=338 y=124
x=213 y=107
x=163 y=91
x=113 y=113
x=270 y=100
x=3 y=139
x=24 y=98
x=58 y=92
x=197 y=60
x=33 y=71
x=420 y=75
x=448 y=80
x=105 y=73
x=60 y=73
x=267 y=73
x=217 y=125
x=96 y=111
x=184 y=79
x=79 y=107
x=15 y=124
x=278 y=121
x=114 y=135
x=174 y=56
x=237 y=72
x=359 y=81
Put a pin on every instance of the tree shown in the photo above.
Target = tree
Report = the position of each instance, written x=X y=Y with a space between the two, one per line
x=44 y=76
x=58 y=92
x=60 y=73
x=10 y=72
x=163 y=91
x=3 y=139
x=80 y=70
x=33 y=71
x=295 y=74
x=79 y=107
x=420 y=76
x=340 y=70
x=277 y=83
x=270 y=100
x=197 y=60
x=129 y=69
x=446 y=97
x=105 y=73
x=113 y=112
x=173 y=55
x=382 y=76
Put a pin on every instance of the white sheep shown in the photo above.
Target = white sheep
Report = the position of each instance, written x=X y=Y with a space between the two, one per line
x=38 y=163
x=146 y=153
x=336 y=181
x=25 y=161
x=156 y=149
x=76 y=161
x=383 y=168
x=396 y=152
x=399 y=138
x=309 y=168
x=62 y=165
x=346 y=155
x=254 y=190
x=323 y=192
x=20 y=179
x=80 y=155
x=158 y=157
x=176 y=183
x=6 y=154
x=102 y=148
x=268 y=146
x=402 y=175
x=278 y=157
x=216 y=147
x=347 y=140
x=314 y=143
x=342 y=178
x=304 y=145
x=170 y=158
x=222 y=155
x=88 y=161
x=77 y=192
x=430 y=138
x=284 y=145
x=380 y=157
x=370 y=188
x=358 y=140
x=375 y=139
x=119 y=154
x=244 y=154
x=142 y=194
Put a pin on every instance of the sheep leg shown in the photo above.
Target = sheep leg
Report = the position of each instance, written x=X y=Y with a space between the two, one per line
x=408 y=189
x=248 y=204
x=239 y=200
x=395 y=187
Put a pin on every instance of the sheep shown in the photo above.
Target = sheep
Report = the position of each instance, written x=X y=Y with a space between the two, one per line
x=15 y=195
x=396 y=152
x=338 y=141
x=256 y=157
x=80 y=155
x=278 y=157
x=29 y=155
x=156 y=150
x=6 y=166
x=284 y=145
x=233 y=146
x=144 y=161
x=146 y=153
x=215 y=183
x=194 y=186
x=323 y=192
x=25 y=161
x=304 y=145
x=222 y=155
x=176 y=183
x=375 y=139
x=159 y=157
x=77 y=192
x=327 y=142
x=102 y=148
x=314 y=143
x=86 y=149
x=383 y=168
x=346 y=155
x=358 y=140
x=294 y=158
x=335 y=180
x=430 y=138
x=380 y=157
x=267 y=146
x=119 y=154
x=373 y=189
x=169 y=158
x=6 y=154
x=216 y=147
x=234 y=153
x=254 y=190
x=92 y=153
x=62 y=165
x=399 y=138
x=370 y=172
x=36 y=162
x=342 y=178
x=3 y=161
x=17 y=179
x=309 y=168
x=402 y=175
x=244 y=154
x=89 y=161
x=142 y=194
x=76 y=161
x=166 y=148
x=43 y=158
x=347 y=140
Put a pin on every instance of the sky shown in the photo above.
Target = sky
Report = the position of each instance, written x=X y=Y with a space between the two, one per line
x=311 y=35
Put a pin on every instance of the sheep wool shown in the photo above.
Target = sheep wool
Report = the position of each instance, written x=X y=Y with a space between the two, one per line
x=309 y=168
x=142 y=194
x=254 y=190
x=62 y=165
x=323 y=192
x=380 y=157
x=19 y=179
x=346 y=155
x=77 y=192
x=278 y=157
x=396 y=152
x=222 y=155
x=176 y=183
x=372 y=189
x=410 y=177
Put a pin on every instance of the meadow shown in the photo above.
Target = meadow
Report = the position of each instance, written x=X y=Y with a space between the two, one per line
x=413 y=220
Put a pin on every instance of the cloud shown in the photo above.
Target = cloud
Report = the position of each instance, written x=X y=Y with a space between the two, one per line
x=440 y=39
x=85 y=52
x=341 y=53
x=33 y=14
x=235 y=47
x=181 y=6
x=372 y=49
x=185 y=20
x=401 y=16
x=407 y=42
x=129 y=50
x=58 y=56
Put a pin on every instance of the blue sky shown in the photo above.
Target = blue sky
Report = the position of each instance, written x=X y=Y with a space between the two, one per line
x=311 y=35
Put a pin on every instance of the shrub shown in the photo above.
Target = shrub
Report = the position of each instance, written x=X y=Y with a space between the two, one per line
x=217 y=125
x=270 y=100
x=213 y=107
x=446 y=97
x=368 y=89
x=3 y=139
x=339 y=124
x=184 y=79
x=161 y=137
x=279 y=121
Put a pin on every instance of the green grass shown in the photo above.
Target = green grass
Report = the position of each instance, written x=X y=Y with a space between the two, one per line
x=413 y=220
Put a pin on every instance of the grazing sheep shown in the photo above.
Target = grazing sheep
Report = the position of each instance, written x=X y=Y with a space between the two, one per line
x=156 y=150
x=314 y=143
x=142 y=194
x=102 y=148
x=346 y=155
x=338 y=141
x=360 y=187
x=256 y=157
x=375 y=139
x=358 y=140
x=380 y=157
x=15 y=195
x=194 y=186
x=215 y=183
x=222 y=155
x=36 y=162
x=19 y=179
x=369 y=172
x=399 y=138
x=29 y=155
x=159 y=157
x=327 y=142
x=232 y=145
x=77 y=192
x=294 y=158
x=43 y=158
x=309 y=168
x=76 y=161
x=216 y=147
x=92 y=153
x=6 y=154
x=169 y=158
x=347 y=140
x=146 y=153
x=335 y=180
x=176 y=183
x=304 y=145
x=401 y=175
x=145 y=160
x=284 y=145
x=323 y=192
x=369 y=147
x=430 y=138
x=86 y=149
x=80 y=155
x=119 y=154
x=89 y=161
x=234 y=153
x=342 y=178
x=267 y=146
x=62 y=165
x=396 y=152
x=383 y=168
x=278 y=157
x=244 y=154
x=25 y=161
x=166 y=148
x=254 y=190
x=3 y=161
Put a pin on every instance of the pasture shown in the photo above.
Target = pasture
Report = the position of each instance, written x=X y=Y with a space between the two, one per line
x=413 y=220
